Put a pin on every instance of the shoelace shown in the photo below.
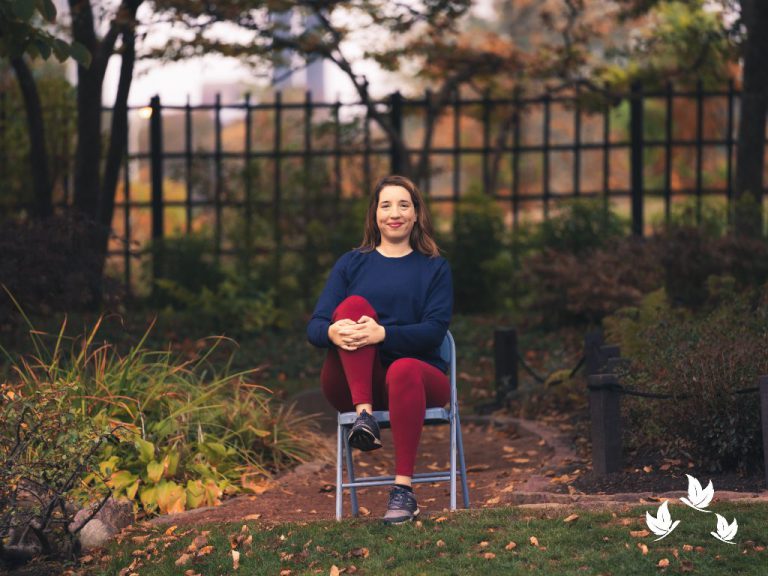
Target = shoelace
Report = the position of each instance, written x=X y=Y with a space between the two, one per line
x=399 y=498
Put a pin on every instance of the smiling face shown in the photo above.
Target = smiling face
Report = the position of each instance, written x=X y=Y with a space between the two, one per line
x=395 y=214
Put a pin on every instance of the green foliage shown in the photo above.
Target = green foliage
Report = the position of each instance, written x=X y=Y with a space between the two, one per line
x=702 y=360
x=21 y=31
x=46 y=446
x=480 y=269
x=189 y=432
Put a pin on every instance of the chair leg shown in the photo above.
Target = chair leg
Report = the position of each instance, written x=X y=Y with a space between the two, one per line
x=453 y=459
x=462 y=463
x=350 y=473
x=339 y=477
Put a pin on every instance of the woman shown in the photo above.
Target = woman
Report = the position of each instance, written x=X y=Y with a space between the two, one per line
x=383 y=313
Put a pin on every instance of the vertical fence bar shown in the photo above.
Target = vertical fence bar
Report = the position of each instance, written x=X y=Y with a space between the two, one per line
x=577 y=143
x=607 y=152
x=248 y=179
x=636 y=157
x=3 y=133
x=729 y=151
x=516 y=166
x=396 y=118
x=427 y=160
x=337 y=149
x=668 y=153
x=218 y=179
x=545 y=152
x=486 y=141
x=307 y=159
x=699 y=149
x=276 y=194
x=456 y=147
x=505 y=362
x=188 y=163
x=156 y=166
x=127 y=208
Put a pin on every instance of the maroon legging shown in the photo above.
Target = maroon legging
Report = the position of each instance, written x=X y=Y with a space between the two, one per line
x=406 y=388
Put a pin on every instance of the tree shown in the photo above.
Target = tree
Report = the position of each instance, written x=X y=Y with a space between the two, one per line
x=23 y=34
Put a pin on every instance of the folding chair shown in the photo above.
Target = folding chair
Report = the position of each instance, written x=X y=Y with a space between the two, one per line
x=433 y=416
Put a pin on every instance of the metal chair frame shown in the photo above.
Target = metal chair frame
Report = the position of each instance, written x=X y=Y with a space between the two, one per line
x=432 y=417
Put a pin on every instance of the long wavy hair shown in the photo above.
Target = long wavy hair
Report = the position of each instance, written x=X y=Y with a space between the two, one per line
x=422 y=236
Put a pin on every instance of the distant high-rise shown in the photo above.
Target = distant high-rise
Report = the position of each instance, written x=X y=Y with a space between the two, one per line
x=290 y=71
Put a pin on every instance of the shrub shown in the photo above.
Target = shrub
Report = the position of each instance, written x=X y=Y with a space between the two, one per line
x=579 y=227
x=702 y=359
x=192 y=433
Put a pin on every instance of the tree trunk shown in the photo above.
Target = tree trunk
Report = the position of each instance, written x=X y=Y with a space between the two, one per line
x=751 y=139
x=38 y=155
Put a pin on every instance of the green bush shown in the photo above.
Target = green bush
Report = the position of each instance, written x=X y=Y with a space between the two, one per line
x=190 y=432
x=702 y=359
x=481 y=271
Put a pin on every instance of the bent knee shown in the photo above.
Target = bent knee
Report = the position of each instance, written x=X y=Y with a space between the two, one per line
x=352 y=307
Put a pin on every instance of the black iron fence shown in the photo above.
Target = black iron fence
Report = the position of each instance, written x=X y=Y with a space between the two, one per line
x=189 y=167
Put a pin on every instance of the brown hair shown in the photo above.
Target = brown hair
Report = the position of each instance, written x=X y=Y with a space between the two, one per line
x=422 y=237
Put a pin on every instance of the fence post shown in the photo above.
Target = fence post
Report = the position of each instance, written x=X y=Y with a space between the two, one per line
x=636 y=157
x=396 y=118
x=592 y=343
x=763 y=384
x=156 y=166
x=505 y=360
x=605 y=415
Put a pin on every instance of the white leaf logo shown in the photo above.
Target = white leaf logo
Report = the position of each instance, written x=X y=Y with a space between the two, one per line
x=725 y=532
x=698 y=497
x=662 y=524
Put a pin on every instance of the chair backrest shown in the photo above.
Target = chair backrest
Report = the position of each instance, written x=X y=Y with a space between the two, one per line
x=446 y=348
x=448 y=354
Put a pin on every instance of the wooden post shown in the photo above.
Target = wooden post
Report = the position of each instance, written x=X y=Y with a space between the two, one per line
x=605 y=414
x=592 y=343
x=763 y=384
x=505 y=359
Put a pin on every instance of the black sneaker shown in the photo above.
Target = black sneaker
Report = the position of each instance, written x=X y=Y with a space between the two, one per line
x=402 y=506
x=365 y=434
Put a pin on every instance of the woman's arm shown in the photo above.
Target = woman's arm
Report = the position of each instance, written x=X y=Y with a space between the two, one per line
x=333 y=293
x=430 y=332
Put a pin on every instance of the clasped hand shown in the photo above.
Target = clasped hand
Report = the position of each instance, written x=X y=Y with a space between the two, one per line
x=350 y=335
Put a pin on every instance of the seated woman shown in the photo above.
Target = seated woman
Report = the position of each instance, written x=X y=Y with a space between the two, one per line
x=383 y=314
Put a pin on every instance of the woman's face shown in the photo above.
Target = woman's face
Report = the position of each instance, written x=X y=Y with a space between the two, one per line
x=395 y=214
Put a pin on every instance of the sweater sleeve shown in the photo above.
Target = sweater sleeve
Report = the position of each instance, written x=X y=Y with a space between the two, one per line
x=430 y=332
x=333 y=293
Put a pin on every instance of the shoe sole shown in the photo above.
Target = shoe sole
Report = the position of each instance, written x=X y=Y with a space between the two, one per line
x=395 y=521
x=364 y=441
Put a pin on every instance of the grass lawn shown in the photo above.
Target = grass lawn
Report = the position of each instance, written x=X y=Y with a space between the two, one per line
x=490 y=541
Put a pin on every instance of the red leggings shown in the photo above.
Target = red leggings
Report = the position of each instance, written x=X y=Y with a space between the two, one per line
x=406 y=388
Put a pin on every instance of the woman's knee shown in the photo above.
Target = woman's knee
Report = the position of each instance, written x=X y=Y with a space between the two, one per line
x=403 y=372
x=352 y=307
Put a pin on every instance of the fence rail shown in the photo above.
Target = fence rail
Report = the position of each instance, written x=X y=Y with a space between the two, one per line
x=529 y=153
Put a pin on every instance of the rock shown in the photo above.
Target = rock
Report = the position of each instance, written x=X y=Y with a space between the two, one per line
x=111 y=519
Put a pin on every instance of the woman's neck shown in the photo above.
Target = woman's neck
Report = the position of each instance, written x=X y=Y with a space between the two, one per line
x=394 y=250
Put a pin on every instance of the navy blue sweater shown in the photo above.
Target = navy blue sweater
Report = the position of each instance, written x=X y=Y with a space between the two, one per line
x=412 y=296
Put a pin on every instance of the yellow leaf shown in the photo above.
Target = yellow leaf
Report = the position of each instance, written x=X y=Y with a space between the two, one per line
x=183 y=559
x=643 y=548
x=154 y=471
x=171 y=530
x=663 y=563
x=195 y=493
x=334 y=570
x=146 y=450
x=440 y=543
x=639 y=533
x=571 y=518
x=510 y=546
x=235 y=559
x=171 y=498
x=492 y=501
x=441 y=519
x=148 y=497
x=205 y=550
x=534 y=541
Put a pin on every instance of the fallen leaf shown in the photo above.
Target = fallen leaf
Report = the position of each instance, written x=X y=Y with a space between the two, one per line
x=647 y=469
x=235 y=559
x=440 y=543
x=360 y=553
x=287 y=572
x=639 y=533
x=171 y=530
x=364 y=511
x=687 y=548
x=334 y=571
x=483 y=544
x=140 y=539
x=327 y=488
x=643 y=548
x=663 y=563
x=478 y=467
x=252 y=517
x=534 y=541
x=441 y=519
x=191 y=573
x=205 y=550
x=492 y=501
x=510 y=546
x=489 y=555
x=571 y=518
x=665 y=467
x=183 y=559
